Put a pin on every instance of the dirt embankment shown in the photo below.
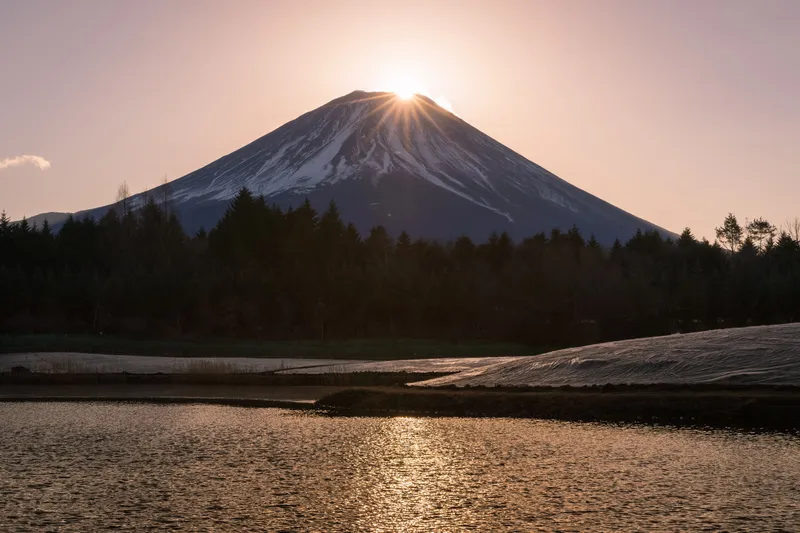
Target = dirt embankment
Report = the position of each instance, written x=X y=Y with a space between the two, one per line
x=756 y=408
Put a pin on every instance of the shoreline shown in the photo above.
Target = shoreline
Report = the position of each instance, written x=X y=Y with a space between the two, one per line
x=167 y=400
x=753 y=408
x=164 y=392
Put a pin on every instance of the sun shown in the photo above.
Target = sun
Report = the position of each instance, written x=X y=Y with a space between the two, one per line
x=405 y=84
x=406 y=89
x=405 y=93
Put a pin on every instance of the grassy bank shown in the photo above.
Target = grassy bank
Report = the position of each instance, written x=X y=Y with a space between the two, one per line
x=377 y=349
x=756 y=408
x=384 y=394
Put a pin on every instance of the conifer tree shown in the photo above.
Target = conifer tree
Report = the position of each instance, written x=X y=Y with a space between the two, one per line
x=730 y=233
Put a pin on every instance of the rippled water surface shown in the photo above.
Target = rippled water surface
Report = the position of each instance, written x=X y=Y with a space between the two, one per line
x=92 y=467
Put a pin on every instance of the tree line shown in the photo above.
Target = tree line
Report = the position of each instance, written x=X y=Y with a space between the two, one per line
x=267 y=273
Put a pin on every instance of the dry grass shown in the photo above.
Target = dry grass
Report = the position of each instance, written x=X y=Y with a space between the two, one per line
x=66 y=365
x=74 y=365
x=213 y=366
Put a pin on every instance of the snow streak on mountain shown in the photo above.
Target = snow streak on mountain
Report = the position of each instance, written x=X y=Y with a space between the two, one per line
x=406 y=164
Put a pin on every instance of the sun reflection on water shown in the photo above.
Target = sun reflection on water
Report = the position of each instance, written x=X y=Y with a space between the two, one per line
x=406 y=472
x=90 y=467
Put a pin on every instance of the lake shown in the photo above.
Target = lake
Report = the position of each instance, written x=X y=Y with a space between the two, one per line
x=102 y=466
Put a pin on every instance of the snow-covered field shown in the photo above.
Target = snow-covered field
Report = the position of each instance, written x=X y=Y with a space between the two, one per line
x=754 y=355
x=452 y=364
x=58 y=362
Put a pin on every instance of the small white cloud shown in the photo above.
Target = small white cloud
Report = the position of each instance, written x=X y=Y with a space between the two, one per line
x=20 y=160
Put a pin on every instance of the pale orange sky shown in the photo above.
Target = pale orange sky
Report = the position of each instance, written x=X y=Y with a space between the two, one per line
x=677 y=111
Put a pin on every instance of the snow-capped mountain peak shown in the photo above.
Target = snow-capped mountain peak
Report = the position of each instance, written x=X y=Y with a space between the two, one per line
x=391 y=161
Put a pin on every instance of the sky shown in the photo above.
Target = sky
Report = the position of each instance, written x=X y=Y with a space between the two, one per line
x=678 y=111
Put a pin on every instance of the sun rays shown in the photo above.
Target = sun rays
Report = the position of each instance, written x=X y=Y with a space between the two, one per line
x=404 y=113
x=408 y=114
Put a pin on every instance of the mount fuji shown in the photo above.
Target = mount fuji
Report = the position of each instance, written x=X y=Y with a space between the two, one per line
x=404 y=164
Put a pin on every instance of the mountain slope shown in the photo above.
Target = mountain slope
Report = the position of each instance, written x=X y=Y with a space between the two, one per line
x=53 y=218
x=406 y=164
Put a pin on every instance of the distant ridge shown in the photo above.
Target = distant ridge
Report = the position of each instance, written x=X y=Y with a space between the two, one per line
x=52 y=218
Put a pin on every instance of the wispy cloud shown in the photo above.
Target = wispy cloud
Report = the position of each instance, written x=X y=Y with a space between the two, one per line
x=19 y=160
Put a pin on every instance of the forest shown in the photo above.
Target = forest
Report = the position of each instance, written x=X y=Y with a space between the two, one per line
x=267 y=274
